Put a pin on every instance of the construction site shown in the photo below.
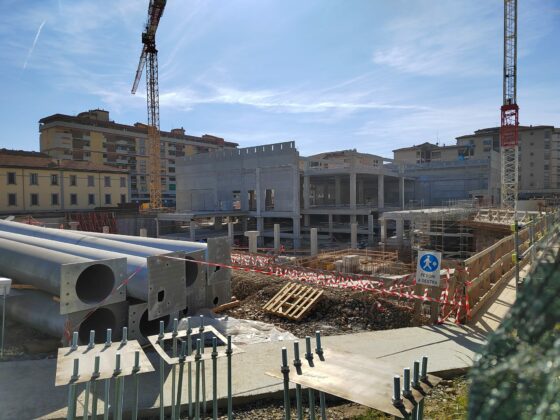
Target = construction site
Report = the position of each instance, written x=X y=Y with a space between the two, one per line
x=257 y=283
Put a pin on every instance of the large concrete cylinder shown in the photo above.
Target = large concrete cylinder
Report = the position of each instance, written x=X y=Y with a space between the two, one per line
x=38 y=310
x=81 y=238
x=143 y=272
x=81 y=283
x=165 y=244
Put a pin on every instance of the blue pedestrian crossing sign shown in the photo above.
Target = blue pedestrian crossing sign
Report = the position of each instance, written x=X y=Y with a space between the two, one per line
x=427 y=269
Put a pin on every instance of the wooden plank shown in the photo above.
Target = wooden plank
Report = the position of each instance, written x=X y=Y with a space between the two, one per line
x=226 y=306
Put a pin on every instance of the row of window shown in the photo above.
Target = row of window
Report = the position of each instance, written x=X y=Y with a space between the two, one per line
x=34 y=199
x=73 y=179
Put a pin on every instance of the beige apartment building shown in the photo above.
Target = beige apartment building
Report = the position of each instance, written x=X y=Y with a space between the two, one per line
x=539 y=156
x=92 y=137
x=35 y=182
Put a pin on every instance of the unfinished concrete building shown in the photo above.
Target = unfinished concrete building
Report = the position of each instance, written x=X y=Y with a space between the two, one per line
x=257 y=186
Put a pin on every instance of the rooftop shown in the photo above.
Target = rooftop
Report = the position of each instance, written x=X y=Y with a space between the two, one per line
x=27 y=159
x=86 y=118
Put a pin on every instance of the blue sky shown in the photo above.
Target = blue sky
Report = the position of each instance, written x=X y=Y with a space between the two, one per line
x=330 y=74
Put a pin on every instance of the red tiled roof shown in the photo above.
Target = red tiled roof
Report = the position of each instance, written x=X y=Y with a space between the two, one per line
x=25 y=159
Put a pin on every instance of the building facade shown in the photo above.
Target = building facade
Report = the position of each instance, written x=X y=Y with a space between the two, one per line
x=92 y=137
x=35 y=182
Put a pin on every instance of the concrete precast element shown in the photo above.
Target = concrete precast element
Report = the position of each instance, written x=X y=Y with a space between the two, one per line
x=87 y=239
x=164 y=244
x=219 y=251
x=40 y=311
x=140 y=326
x=217 y=294
x=81 y=283
x=147 y=278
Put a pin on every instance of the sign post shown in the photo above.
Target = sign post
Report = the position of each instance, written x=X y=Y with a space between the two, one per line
x=427 y=268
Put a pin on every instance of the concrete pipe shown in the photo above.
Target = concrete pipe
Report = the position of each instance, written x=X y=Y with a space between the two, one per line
x=38 y=310
x=148 y=276
x=81 y=283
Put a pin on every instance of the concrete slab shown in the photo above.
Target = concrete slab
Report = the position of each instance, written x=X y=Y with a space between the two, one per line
x=27 y=387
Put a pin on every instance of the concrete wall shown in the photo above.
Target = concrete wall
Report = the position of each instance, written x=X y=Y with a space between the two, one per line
x=208 y=181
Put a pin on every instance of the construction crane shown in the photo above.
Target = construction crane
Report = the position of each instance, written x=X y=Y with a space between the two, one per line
x=509 y=134
x=148 y=59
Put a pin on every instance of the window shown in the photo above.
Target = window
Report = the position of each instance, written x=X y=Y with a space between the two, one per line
x=34 y=199
x=107 y=181
x=252 y=200
x=73 y=199
x=236 y=195
x=34 y=179
x=11 y=178
x=54 y=179
x=269 y=200
x=73 y=181
x=123 y=182
x=12 y=201
x=91 y=199
x=123 y=198
x=436 y=155
x=107 y=198
x=90 y=181
x=54 y=199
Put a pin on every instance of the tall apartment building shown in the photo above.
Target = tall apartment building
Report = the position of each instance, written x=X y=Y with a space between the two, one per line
x=539 y=157
x=34 y=182
x=92 y=137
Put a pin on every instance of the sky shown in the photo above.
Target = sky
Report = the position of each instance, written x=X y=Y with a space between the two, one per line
x=373 y=75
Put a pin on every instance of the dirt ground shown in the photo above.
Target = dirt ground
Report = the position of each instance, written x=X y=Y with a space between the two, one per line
x=337 y=311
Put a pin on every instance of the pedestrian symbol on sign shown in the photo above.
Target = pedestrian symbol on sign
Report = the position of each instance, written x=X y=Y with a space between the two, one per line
x=429 y=263
x=428 y=268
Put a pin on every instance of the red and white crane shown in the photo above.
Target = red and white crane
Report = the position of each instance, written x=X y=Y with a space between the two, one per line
x=509 y=133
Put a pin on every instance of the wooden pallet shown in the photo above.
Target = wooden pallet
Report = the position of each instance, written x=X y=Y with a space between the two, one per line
x=293 y=301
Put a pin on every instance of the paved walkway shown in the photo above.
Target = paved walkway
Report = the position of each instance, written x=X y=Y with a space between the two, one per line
x=27 y=390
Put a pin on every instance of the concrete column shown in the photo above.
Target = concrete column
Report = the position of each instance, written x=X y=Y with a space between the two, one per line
x=401 y=191
x=330 y=225
x=306 y=221
x=306 y=192
x=217 y=223
x=144 y=232
x=370 y=228
x=297 y=232
x=244 y=224
x=106 y=229
x=361 y=198
x=337 y=191
x=73 y=225
x=400 y=231
x=230 y=232
x=314 y=244
x=353 y=235
x=383 y=230
x=380 y=191
x=353 y=218
x=276 y=238
x=352 y=190
x=157 y=227
x=192 y=230
x=258 y=191
x=260 y=228
x=253 y=236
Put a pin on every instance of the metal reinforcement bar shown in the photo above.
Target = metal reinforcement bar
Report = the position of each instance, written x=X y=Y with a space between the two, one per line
x=39 y=311
x=81 y=283
x=158 y=285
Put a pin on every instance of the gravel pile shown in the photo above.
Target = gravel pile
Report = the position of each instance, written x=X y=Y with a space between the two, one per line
x=337 y=312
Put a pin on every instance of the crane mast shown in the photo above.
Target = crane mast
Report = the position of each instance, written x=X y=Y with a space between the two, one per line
x=509 y=135
x=148 y=59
